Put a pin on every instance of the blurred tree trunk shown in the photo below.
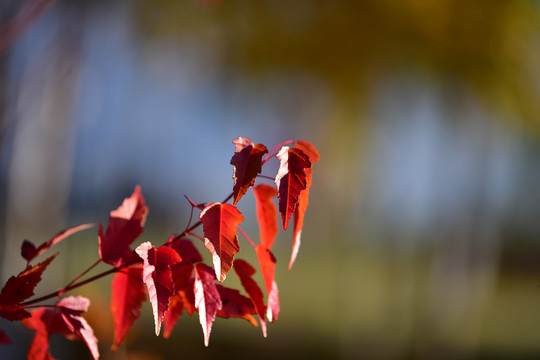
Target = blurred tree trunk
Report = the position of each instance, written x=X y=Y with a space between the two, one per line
x=41 y=118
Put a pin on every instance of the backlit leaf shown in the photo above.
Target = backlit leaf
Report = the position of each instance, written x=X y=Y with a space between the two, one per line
x=247 y=163
x=207 y=299
x=71 y=309
x=267 y=263
x=303 y=202
x=266 y=213
x=157 y=276
x=245 y=271
x=290 y=180
x=45 y=322
x=235 y=305
x=19 y=288
x=127 y=296
x=220 y=235
x=125 y=225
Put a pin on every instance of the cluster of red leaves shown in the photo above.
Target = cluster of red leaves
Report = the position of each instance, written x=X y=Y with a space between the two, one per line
x=173 y=276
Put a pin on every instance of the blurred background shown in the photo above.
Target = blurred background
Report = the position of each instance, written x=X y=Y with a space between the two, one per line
x=422 y=239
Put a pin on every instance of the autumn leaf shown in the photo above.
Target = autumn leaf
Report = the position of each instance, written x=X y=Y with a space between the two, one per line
x=29 y=250
x=220 y=237
x=19 y=288
x=187 y=251
x=207 y=299
x=45 y=322
x=247 y=163
x=71 y=309
x=127 y=296
x=266 y=213
x=303 y=202
x=157 y=276
x=290 y=180
x=245 y=271
x=4 y=339
x=125 y=225
x=267 y=263
x=235 y=305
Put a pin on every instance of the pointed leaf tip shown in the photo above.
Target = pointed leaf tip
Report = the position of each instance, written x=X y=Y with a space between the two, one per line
x=157 y=276
x=290 y=180
x=247 y=164
x=125 y=225
x=220 y=235
x=207 y=298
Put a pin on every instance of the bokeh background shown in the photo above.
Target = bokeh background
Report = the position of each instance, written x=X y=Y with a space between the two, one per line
x=422 y=240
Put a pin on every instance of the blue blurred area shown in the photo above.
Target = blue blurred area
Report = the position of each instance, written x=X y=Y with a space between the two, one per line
x=421 y=240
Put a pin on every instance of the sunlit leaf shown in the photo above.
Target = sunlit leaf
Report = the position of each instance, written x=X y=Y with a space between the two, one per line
x=207 y=299
x=157 y=276
x=266 y=213
x=245 y=272
x=220 y=237
x=247 y=163
x=290 y=180
x=127 y=296
x=125 y=225
x=303 y=201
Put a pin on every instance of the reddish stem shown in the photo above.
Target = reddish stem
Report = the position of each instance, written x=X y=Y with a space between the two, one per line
x=73 y=284
x=246 y=236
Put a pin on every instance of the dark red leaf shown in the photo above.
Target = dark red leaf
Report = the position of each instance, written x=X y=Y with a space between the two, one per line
x=267 y=263
x=220 y=238
x=157 y=276
x=125 y=225
x=45 y=322
x=4 y=339
x=187 y=251
x=29 y=251
x=127 y=296
x=235 y=305
x=13 y=312
x=247 y=163
x=266 y=213
x=207 y=300
x=176 y=308
x=21 y=287
x=303 y=202
x=244 y=272
x=71 y=309
x=290 y=180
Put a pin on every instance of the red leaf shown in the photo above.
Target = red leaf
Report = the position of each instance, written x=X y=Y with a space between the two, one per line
x=45 y=322
x=176 y=308
x=235 y=305
x=4 y=339
x=19 y=288
x=220 y=238
x=267 y=262
x=125 y=225
x=71 y=309
x=157 y=276
x=29 y=251
x=244 y=272
x=266 y=213
x=207 y=300
x=303 y=202
x=13 y=312
x=127 y=296
x=187 y=251
x=247 y=163
x=290 y=180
